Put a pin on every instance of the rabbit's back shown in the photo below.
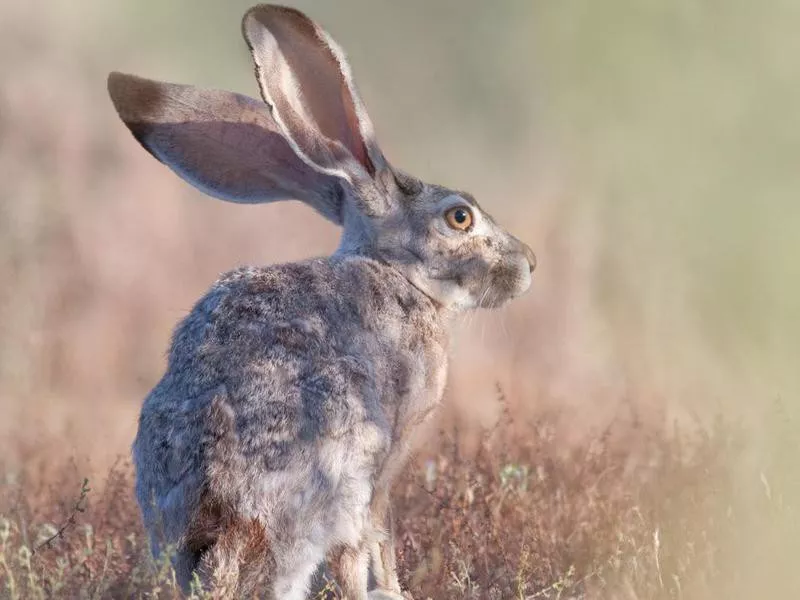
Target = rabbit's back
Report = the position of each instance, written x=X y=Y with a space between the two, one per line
x=286 y=389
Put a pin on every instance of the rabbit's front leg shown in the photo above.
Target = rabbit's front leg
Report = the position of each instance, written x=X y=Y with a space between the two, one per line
x=384 y=583
x=350 y=568
x=383 y=563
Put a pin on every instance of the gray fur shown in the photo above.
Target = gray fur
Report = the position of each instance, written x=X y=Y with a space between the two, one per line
x=292 y=392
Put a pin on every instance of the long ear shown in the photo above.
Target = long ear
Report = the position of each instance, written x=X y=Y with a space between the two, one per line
x=225 y=144
x=304 y=76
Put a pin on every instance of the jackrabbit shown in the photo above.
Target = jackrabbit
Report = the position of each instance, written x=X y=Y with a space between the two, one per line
x=291 y=391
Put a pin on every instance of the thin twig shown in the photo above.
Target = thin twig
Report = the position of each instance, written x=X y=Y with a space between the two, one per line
x=78 y=507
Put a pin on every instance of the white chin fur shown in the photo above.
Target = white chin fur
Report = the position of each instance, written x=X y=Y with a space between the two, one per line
x=445 y=292
x=449 y=294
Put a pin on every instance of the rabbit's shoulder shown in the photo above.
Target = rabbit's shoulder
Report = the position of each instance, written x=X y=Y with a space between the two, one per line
x=331 y=299
x=327 y=339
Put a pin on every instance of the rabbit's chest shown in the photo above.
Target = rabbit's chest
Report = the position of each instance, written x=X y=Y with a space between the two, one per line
x=414 y=372
x=419 y=372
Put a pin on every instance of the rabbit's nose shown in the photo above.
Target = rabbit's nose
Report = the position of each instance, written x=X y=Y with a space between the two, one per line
x=530 y=256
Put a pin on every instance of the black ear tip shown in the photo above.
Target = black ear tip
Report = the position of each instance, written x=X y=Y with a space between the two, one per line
x=252 y=13
x=266 y=13
x=122 y=89
x=254 y=21
x=114 y=84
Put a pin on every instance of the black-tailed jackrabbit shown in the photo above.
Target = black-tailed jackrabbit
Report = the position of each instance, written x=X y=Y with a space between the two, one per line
x=291 y=391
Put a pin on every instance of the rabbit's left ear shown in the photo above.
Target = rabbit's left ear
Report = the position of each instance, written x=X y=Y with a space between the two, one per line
x=305 y=78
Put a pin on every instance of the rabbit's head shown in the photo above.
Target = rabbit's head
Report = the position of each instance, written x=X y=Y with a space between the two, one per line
x=312 y=140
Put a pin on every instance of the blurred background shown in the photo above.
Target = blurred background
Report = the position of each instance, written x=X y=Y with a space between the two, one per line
x=648 y=150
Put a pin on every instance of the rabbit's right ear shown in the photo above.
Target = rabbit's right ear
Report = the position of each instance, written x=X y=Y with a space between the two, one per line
x=307 y=81
x=225 y=144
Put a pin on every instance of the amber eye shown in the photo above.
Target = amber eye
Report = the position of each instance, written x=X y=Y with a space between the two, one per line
x=459 y=217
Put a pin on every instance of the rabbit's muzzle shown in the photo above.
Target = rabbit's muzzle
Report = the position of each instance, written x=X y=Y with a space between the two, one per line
x=530 y=256
x=508 y=278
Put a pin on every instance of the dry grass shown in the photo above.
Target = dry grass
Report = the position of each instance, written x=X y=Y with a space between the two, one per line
x=633 y=512
x=660 y=201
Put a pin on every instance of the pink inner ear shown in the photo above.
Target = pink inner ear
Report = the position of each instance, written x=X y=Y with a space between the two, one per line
x=323 y=90
x=358 y=149
x=225 y=144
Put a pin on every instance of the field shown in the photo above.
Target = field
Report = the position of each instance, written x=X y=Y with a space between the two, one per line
x=633 y=513
x=628 y=429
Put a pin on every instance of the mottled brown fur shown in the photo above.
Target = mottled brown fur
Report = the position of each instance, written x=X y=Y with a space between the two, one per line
x=293 y=392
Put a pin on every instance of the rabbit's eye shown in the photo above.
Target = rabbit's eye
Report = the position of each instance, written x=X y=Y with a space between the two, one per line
x=459 y=217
